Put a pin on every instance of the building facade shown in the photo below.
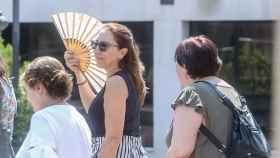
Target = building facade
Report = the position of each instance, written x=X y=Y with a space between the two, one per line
x=243 y=31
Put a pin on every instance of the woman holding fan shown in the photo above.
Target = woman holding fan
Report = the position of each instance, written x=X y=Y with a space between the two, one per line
x=115 y=110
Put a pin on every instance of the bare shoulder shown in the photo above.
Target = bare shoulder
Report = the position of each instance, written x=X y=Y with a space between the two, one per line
x=115 y=91
x=116 y=82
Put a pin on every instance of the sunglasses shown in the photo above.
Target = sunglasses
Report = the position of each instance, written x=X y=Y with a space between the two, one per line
x=102 y=45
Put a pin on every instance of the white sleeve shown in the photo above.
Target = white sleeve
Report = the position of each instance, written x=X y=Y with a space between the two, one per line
x=42 y=139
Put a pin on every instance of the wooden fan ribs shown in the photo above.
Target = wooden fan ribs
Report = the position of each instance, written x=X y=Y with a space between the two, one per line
x=59 y=27
x=77 y=30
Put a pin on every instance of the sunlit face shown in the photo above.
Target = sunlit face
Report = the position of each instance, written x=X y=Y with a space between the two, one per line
x=106 y=51
x=33 y=96
x=182 y=75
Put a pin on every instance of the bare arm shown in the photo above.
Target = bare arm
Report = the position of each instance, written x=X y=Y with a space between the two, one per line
x=185 y=129
x=114 y=107
x=85 y=91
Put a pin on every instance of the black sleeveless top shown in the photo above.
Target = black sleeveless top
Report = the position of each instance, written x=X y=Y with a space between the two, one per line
x=132 y=113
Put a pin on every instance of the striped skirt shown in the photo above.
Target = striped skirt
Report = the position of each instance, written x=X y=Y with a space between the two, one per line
x=130 y=147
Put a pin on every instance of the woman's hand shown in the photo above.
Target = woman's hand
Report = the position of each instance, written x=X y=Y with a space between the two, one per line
x=86 y=93
x=72 y=61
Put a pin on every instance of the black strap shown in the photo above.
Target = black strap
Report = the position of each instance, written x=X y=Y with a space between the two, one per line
x=205 y=131
x=213 y=139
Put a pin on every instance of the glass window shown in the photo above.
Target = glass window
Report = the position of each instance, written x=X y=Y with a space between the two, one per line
x=167 y=2
x=246 y=50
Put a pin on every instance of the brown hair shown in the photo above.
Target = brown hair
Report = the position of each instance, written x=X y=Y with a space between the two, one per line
x=199 y=55
x=51 y=73
x=131 y=61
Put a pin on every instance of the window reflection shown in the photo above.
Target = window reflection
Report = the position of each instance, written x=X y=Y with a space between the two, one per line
x=246 y=50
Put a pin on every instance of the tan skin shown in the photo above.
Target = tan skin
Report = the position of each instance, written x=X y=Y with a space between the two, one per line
x=186 y=123
x=115 y=93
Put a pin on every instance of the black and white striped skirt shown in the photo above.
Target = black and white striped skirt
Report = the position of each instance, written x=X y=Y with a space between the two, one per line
x=131 y=147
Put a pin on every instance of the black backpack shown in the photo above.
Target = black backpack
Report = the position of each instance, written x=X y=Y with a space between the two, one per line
x=247 y=138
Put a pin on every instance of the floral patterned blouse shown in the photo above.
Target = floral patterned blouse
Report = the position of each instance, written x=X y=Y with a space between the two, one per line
x=8 y=106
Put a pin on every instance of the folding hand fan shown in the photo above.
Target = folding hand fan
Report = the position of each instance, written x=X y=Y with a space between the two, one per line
x=77 y=31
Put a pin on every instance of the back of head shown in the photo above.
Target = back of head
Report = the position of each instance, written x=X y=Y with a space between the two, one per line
x=131 y=61
x=51 y=73
x=199 y=55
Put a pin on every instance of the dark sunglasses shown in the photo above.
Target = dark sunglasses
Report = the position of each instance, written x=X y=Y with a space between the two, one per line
x=102 y=45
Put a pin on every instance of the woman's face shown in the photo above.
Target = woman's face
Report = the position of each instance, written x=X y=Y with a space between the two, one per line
x=183 y=76
x=107 y=51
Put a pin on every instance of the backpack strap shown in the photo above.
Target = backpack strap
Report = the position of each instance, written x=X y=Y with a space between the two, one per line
x=213 y=139
x=223 y=98
x=205 y=131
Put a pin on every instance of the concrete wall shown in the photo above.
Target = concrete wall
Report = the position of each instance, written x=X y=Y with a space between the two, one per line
x=146 y=10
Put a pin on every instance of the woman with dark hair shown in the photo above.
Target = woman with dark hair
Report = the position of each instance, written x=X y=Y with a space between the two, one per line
x=8 y=106
x=197 y=60
x=57 y=129
x=115 y=111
